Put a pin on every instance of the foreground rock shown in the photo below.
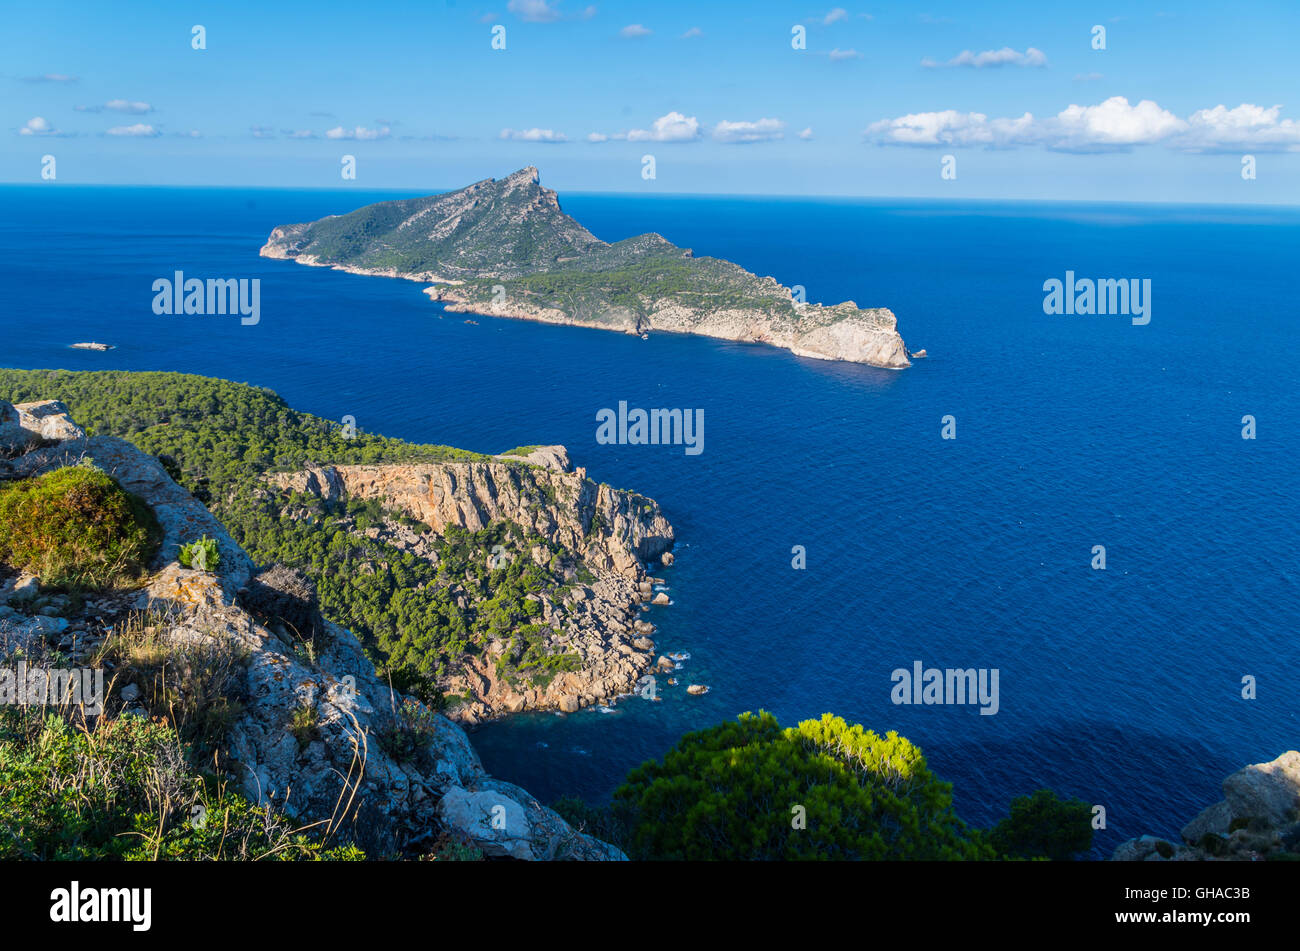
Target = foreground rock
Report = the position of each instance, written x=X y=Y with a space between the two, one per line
x=1259 y=816
x=318 y=735
x=29 y=424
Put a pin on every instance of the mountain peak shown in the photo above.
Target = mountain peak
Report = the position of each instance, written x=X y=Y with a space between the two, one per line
x=528 y=175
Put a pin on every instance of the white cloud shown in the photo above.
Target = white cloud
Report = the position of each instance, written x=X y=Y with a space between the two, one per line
x=262 y=132
x=360 y=132
x=839 y=13
x=1244 y=127
x=741 y=133
x=692 y=32
x=597 y=137
x=806 y=134
x=533 y=11
x=139 y=131
x=1112 y=125
x=38 y=125
x=533 y=135
x=673 y=127
x=122 y=105
x=1003 y=57
x=634 y=30
x=838 y=54
x=950 y=127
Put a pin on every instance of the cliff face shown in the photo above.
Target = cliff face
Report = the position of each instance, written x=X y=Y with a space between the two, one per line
x=560 y=506
x=613 y=532
x=506 y=249
x=346 y=776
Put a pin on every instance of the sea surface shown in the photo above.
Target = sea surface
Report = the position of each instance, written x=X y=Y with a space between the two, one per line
x=1121 y=686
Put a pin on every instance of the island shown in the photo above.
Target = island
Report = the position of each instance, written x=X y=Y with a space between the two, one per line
x=504 y=248
x=92 y=346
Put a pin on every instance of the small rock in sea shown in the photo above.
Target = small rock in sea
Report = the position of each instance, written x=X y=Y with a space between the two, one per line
x=665 y=664
x=660 y=598
x=696 y=690
x=666 y=558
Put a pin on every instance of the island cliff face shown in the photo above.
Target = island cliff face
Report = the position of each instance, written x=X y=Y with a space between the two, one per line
x=504 y=248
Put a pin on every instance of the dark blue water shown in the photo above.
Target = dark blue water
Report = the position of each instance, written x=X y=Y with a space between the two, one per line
x=1120 y=686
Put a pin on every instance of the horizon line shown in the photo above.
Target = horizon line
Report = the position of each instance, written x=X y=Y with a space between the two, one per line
x=421 y=192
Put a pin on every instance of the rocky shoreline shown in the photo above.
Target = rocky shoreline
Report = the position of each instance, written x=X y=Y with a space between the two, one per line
x=852 y=338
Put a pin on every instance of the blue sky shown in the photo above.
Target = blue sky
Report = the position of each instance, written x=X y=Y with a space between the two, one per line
x=1015 y=92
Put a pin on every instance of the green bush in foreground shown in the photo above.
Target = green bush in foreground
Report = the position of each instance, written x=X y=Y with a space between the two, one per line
x=122 y=790
x=750 y=790
x=75 y=526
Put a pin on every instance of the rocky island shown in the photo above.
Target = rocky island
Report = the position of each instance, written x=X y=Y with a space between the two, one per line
x=504 y=248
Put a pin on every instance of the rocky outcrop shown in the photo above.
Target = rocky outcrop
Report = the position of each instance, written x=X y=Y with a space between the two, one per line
x=1259 y=815
x=27 y=424
x=372 y=765
x=613 y=532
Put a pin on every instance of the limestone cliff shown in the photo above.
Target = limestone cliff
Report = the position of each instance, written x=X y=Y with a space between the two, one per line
x=613 y=532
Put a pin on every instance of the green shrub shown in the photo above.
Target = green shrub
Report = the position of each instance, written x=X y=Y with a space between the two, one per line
x=1044 y=826
x=823 y=790
x=202 y=555
x=76 y=527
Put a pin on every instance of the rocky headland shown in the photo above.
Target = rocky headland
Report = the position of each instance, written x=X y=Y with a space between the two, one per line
x=613 y=534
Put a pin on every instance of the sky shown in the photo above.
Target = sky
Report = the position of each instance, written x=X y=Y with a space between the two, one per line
x=1169 y=101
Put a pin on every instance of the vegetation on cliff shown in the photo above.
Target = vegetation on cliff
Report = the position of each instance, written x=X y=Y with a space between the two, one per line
x=218 y=439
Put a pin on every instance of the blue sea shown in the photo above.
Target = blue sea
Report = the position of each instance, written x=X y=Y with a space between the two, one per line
x=1122 y=687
